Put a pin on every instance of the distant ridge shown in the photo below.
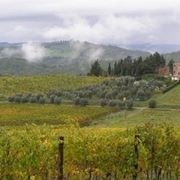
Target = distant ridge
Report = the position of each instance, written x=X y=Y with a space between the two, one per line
x=174 y=55
x=60 y=57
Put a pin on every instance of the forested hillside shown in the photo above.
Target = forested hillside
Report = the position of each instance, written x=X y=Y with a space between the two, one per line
x=64 y=56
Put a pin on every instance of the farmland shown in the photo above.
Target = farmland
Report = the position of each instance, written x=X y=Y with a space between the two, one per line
x=21 y=114
x=99 y=91
x=89 y=152
x=25 y=84
x=105 y=146
x=100 y=111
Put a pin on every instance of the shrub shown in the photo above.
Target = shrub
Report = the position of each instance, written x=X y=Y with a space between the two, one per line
x=38 y=96
x=88 y=93
x=29 y=94
x=51 y=99
x=51 y=92
x=152 y=104
x=121 y=104
x=42 y=100
x=141 y=95
x=80 y=94
x=67 y=94
x=57 y=100
x=77 y=101
x=129 y=104
x=33 y=99
x=83 y=102
x=108 y=95
x=11 y=99
x=24 y=99
x=59 y=93
x=17 y=99
x=113 y=103
x=103 y=102
x=101 y=94
x=114 y=93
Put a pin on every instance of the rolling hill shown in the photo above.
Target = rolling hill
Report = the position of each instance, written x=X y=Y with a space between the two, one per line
x=174 y=55
x=64 y=56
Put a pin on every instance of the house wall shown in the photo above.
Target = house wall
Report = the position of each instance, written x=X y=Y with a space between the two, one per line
x=176 y=73
x=164 y=71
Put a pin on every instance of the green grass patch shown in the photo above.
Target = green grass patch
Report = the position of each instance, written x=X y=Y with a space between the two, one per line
x=139 y=116
x=171 y=98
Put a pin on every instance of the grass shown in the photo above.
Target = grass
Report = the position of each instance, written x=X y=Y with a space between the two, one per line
x=139 y=116
x=168 y=111
x=21 y=114
x=23 y=84
x=171 y=98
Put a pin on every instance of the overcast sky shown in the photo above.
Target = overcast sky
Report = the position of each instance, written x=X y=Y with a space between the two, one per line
x=98 y=21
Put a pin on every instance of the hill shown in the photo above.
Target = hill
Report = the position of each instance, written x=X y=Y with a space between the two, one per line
x=171 y=98
x=174 y=55
x=52 y=57
x=161 y=48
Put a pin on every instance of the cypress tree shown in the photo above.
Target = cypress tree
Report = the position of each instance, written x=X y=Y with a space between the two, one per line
x=109 y=69
x=96 y=69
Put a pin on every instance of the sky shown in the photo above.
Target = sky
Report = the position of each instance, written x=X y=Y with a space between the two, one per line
x=97 y=21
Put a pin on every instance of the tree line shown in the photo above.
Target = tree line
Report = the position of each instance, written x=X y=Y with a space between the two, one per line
x=130 y=67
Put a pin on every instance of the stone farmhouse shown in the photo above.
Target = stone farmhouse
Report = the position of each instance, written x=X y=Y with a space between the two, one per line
x=164 y=71
x=176 y=72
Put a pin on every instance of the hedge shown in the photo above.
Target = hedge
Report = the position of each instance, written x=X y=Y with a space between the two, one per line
x=171 y=87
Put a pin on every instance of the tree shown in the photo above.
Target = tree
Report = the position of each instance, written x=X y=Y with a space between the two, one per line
x=57 y=100
x=152 y=104
x=42 y=100
x=11 y=99
x=129 y=104
x=33 y=99
x=96 y=69
x=115 y=69
x=103 y=102
x=109 y=69
x=171 y=66
x=77 y=101
x=83 y=102
x=51 y=99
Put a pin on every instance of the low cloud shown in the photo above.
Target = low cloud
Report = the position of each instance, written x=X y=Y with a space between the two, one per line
x=33 y=52
x=9 y=53
x=92 y=52
x=95 y=54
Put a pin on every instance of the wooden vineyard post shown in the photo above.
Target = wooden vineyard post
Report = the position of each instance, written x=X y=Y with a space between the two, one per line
x=61 y=158
x=136 y=153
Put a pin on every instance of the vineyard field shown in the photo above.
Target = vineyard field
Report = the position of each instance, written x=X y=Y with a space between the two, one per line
x=20 y=114
x=115 y=142
x=31 y=152
x=34 y=84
